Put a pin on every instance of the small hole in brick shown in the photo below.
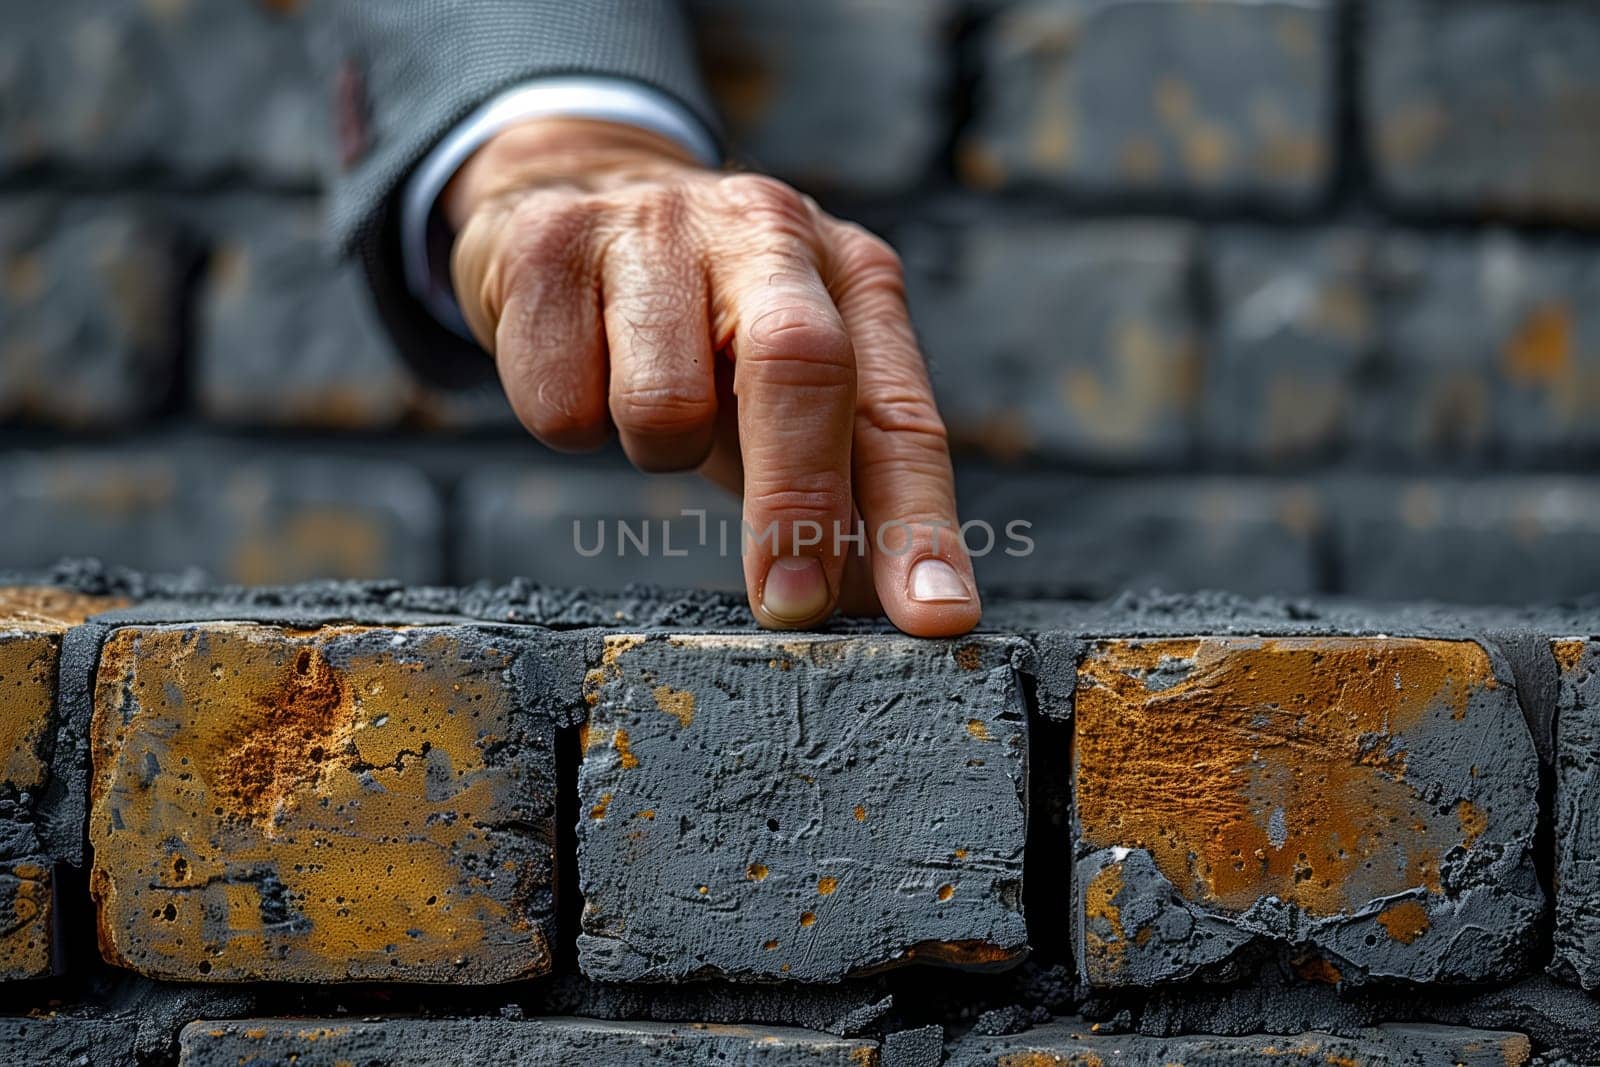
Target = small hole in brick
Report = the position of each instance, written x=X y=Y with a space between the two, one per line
x=169 y=913
x=772 y=824
x=205 y=967
x=302 y=662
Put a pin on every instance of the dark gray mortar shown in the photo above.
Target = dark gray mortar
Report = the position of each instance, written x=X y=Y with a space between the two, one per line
x=64 y=810
x=922 y=1047
x=816 y=807
x=1295 y=326
x=1417 y=1045
x=1485 y=106
x=90 y=309
x=555 y=1042
x=849 y=1009
x=1072 y=341
x=59 y=1040
x=833 y=94
x=1577 y=818
x=1123 y=97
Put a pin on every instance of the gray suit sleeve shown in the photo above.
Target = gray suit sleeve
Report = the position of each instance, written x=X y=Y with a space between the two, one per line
x=405 y=72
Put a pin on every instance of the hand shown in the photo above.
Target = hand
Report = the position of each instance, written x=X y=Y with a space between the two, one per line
x=720 y=322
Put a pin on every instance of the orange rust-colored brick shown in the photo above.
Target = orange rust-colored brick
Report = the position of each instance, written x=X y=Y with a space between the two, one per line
x=26 y=902
x=32 y=620
x=1202 y=751
x=273 y=804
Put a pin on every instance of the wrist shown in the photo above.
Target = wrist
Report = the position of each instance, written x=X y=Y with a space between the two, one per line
x=582 y=153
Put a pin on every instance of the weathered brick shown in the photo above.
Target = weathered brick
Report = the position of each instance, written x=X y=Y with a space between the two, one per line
x=199 y=90
x=552 y=1042
x=1577 y=813
x=57 y=1040
x=345 y=804
x=262 y=518
x=1366 y=806
x=1485 y=105
x=1099 y=536
x=1490 y=540
x=90 y=307
x=1491 y=347
x=1217 y=99
x=287 y=337
x=800 y=807
x=834 y=93
x=32 y=621
x=1075 y=341
x=1071 y=1042
x=560 y=525
x=1295 y=324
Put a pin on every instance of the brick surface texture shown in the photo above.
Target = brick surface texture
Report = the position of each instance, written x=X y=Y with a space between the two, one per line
x=791 y=809
x=357 y=804
x=350 y=823
x=1230 y=791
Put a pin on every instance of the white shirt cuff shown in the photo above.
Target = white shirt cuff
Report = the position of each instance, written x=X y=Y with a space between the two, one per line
x=425 y=239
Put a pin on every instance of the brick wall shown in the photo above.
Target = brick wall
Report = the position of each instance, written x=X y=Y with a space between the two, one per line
x=367 y=823
x=1283 y=296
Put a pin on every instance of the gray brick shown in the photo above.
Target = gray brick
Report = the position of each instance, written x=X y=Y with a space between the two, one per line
x=90 y=296
x=1411 y=1045
x=1491 y=540
x=554 y=1042
x=1363 y=807
x=1073 y=341
x=1295 y=324
x=800 y=807
x=832 y=93
x=185 y=87
x=1485 y=105
x=247 y=517
x=1577 y=814
x=1099 y=536
x=55 y=1040
x=519 y=522
x=288 y=337
x=1215 y=100
x=1491 y=347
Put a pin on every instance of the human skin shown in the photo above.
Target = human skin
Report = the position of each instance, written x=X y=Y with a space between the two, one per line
x=719 y=322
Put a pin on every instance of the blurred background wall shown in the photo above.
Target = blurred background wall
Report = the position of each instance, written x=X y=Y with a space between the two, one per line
x=1272 y=295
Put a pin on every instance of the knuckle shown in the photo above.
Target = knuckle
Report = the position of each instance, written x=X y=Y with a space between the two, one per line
x=870 y=262
x=661 y=410
x=800 y=333
x=907 y=415
x=547 y=237
x=766 y=201
x=818 y=497
x=659 y=209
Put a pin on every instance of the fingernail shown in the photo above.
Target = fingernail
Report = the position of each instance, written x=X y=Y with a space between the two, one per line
x=933 y=581
x=795 y=589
